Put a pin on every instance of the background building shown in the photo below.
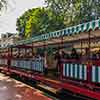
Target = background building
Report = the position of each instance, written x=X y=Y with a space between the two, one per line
x=9 y=39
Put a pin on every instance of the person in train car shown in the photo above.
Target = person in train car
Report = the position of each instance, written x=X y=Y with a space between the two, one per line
x=38 y=56
x=17 y=55
x=65 y=55
x=94 y=56
x=29 y=53
x=98 y=57
x=98 y=54
x=25 y=53
x=74 y=54
x=45 y=64
x=21 y=54
x=59 y=55
x=84 y=56
x=33 y=56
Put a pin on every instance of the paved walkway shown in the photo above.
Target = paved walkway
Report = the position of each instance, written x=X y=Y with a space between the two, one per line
x=11 y=89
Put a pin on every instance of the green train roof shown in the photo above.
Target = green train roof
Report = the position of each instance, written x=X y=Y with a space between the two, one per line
x=85 y=27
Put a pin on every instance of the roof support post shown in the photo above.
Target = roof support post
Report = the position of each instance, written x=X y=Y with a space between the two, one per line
x=89 y=66
x=89 y=44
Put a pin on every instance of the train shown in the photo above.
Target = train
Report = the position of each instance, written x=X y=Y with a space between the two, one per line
x=79 y=76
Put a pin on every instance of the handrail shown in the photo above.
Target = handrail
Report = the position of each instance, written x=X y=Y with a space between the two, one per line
x=71 y=60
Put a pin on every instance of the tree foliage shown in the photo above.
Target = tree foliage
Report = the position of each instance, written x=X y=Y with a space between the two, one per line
x=75 y=11
x=57 y=15
x=3 y=3
x=37 y=21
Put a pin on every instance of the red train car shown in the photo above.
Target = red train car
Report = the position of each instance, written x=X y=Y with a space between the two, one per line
x=67 y=59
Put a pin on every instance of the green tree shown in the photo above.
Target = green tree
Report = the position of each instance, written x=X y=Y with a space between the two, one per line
x=75 y=11
x=38 y=21
x=21 y=22
x=69 y=9
x=90 y=9
x=3 y=3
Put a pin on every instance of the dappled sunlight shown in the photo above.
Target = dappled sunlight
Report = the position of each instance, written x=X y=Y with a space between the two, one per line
x=19 y=85
x=37 y=93
x=3 y=88
x=3 y=77
x=17 y=82
x=11 y=89
x=8 y=80
x=18 y=96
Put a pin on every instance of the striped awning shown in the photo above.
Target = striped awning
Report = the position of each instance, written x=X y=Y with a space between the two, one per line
x=70 y=30
x=85 y=27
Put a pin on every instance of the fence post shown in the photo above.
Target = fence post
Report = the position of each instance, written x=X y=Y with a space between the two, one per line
x=61 y=71
x=89 y=69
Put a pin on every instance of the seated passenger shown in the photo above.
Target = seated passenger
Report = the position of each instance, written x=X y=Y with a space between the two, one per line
x=45 y=64
x=59 y=55
x=74 y=54
x=94 y=56
x=98 y=54
x=65 y=55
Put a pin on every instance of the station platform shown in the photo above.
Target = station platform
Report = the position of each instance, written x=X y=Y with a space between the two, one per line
x=11 y=89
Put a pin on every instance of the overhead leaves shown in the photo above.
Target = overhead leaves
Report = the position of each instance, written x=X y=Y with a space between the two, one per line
x=38 y=21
